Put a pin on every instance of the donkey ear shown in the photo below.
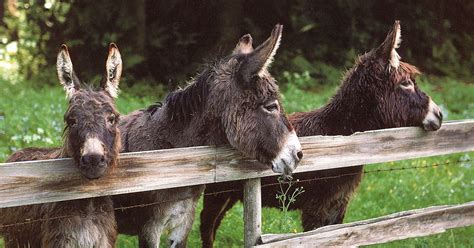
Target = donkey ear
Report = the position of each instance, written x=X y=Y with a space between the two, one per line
x=113 y=71
x=244 y=46
x=66 y=74
x=387 y=50
x=257 y=62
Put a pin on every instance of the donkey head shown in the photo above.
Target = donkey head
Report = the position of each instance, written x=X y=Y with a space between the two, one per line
x=391 y=85
x=247 y=98
x=92 y=137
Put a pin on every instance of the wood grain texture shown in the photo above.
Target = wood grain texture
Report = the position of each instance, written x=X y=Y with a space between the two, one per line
x=326 y=152
x=44 y=181
x=252 y=212
x=23 y=183
x=403 y=225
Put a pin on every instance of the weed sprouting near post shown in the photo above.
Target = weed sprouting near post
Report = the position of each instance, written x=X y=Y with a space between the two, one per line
x=286 y=196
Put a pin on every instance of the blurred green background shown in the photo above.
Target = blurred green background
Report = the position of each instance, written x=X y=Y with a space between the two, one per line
x=163 y=43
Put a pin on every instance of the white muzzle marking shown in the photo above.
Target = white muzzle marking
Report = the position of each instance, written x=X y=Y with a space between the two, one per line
x=287 y=160
x=432 y=118
x=92 y=146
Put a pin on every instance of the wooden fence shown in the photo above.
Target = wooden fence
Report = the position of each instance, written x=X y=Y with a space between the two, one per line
x=24 y=183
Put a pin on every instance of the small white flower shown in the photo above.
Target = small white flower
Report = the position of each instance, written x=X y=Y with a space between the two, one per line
x=48 y=140
x=36 y=137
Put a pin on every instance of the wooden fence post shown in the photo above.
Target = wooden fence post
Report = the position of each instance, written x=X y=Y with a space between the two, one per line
x=252 y=212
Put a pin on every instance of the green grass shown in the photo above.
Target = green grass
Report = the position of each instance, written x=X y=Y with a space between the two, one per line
x=31 y=115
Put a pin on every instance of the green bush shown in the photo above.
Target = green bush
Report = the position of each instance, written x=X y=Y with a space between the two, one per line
x=166 y=41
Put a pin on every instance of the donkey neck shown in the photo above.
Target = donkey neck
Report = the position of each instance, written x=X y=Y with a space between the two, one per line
x=199 y=128
x=184 y=104
x=346 y=113
x=186 y=111
x=183 y=120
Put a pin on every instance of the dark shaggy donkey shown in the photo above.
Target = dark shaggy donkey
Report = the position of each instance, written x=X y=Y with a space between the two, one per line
x=234 y=101
x=378 y=92
x=92 y=139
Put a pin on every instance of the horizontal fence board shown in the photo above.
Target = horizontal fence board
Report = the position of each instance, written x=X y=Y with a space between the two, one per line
x=44 y=181
x=25 y=183
x=403 y=225
x=329 y=152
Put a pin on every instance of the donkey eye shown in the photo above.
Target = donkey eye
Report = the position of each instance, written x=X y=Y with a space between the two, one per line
x=71 y=122
x=271 y=107
x=111 y=119
x=407 y=84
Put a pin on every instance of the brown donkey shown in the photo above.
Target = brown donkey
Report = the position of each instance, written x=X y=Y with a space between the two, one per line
x=233 y=101
x=378 y=92
x=92 y=139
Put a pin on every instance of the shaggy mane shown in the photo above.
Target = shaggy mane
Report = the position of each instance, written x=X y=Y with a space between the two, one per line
x=183 y=104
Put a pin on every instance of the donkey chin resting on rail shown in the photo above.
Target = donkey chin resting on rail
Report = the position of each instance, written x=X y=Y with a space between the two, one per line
x=232 y=101
x=92 y=139
x=380 y=91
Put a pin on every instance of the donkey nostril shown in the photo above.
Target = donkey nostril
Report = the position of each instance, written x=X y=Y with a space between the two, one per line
x=440 y=115
x=300 y=155
x=92 y=159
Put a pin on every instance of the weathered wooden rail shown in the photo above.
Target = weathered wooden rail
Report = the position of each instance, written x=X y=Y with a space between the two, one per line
x=407 y=224
x=24 y=183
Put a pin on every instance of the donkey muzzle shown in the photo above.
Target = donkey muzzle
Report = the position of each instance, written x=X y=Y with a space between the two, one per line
x=93 y=166
x=288 y=158
x=433 y=118
x=93 y=162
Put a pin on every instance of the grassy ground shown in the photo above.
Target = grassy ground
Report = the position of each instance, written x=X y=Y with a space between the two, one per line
x=32 y=116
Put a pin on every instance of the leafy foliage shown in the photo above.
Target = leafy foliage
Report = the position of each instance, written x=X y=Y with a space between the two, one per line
x=162 y=41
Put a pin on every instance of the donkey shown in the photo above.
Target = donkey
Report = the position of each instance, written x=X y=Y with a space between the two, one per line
x=92 y=139
x=232 y=101
x=378 y=92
